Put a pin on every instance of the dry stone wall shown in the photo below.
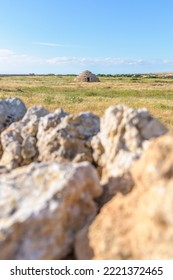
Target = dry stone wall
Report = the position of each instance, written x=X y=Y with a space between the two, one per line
x=138 y=225
x=76 y=183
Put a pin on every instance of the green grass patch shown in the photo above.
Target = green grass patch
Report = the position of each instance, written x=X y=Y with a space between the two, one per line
x=53 y=91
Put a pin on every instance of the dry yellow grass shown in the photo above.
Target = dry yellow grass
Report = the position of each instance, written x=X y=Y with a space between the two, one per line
x=61 y=91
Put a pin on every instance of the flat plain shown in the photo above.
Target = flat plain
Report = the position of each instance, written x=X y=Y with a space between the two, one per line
x=154 y=92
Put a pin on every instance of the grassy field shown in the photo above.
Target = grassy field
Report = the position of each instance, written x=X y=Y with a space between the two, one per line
x=154 y=93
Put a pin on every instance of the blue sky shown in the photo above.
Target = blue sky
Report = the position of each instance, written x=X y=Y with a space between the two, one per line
x=69 y=36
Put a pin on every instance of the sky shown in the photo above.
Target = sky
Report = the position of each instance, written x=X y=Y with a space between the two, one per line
x=70 y=36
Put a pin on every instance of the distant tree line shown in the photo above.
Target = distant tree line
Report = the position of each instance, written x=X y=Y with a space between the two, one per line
x=120 y=75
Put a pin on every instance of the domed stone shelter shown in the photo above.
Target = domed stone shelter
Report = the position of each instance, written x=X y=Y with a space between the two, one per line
x=87 y=76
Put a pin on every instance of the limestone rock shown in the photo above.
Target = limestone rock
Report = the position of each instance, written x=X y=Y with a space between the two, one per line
x=42 y=206
x=156 y=165
x=69 y=140
x=11 y=110
x=139 y=225
x=124 y=134
x=44 y=136
x=19 y=139
x=50 y=121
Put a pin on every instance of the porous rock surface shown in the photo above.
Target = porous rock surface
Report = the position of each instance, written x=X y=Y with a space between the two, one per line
x=11 y=110
x=42 y=206
x=79 y=185
x=124 y=132
x=124 y=135
x=140 y=224
x=69 y=140
x=18 y=141
x=44 y=136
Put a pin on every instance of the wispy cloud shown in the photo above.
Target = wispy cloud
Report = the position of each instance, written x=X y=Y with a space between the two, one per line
x=8 y=56
x=46 y=44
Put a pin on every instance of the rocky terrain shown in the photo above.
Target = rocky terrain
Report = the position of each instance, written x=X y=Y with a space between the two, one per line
x=84 y=187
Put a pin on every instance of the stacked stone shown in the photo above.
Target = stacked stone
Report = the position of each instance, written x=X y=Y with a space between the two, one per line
x=101 y=188
x=87 y=76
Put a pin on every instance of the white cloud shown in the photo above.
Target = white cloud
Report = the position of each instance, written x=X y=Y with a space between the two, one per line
x=9 y=56
x=94 y=61
x=45 y=44
x=11 y=61
x=168 y=61
x=4 y=52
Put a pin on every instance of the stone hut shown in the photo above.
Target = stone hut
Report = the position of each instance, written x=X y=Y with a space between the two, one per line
x=87 y=76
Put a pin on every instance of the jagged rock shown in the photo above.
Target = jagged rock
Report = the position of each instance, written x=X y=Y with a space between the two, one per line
x=44 y=136
x=69 y=140
x=46 y=209
x=42 y=206
x=140 y=224
x=50 y=121
x=19 y=139
x=124 y=134
x=11 y=110
x=47 y=141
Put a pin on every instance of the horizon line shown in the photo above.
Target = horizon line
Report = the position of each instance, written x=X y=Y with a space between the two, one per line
x=74 y=74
